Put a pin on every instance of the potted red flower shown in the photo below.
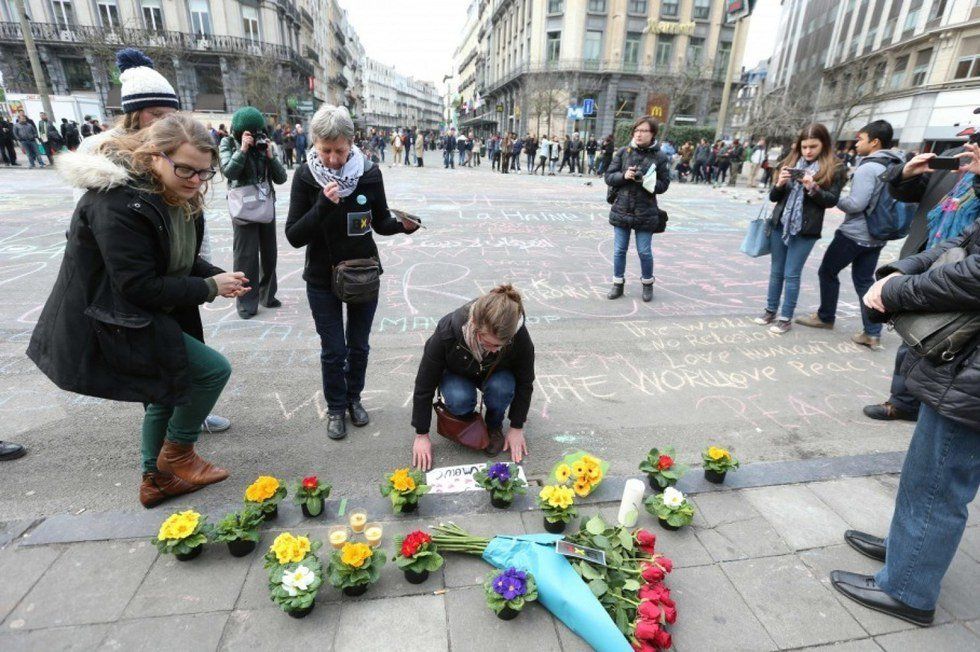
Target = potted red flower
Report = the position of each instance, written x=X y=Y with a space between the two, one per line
x=417 y=556
x=309 y=494
x=662 y=468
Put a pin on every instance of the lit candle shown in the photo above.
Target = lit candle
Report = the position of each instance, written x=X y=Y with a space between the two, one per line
x=357 y=520
x=372 y=534
x=338 y=536
x=629 y=507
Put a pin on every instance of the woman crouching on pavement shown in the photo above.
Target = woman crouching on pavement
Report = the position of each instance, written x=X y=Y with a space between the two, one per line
x=481 y=345
x=122 y=322
x=337 y=201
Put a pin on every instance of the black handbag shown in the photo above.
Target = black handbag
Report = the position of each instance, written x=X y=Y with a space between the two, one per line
x=939 y=336
x=357 y=280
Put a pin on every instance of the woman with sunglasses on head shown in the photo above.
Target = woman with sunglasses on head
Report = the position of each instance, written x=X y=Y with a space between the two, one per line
x=482 y=345
x=122 y=321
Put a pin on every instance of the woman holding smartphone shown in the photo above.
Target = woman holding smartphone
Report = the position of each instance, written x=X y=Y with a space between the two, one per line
x=809 y=182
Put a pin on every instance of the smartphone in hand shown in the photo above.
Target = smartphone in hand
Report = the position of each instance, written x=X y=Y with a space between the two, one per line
x=944 y=163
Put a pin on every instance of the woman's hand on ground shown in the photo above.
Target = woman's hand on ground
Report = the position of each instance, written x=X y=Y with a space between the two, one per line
x=515 y=444
x=422 y=452
x=231 y=284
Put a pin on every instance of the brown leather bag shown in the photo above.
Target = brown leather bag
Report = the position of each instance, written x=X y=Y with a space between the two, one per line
x=470 y=431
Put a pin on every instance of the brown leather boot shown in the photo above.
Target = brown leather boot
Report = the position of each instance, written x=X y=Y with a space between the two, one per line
x=183 y=462
x=496 y=442
x=158 y=487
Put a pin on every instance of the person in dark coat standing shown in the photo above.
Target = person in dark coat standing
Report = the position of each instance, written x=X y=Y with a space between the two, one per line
x=809 y=182
x=941 y=473
x=634 y=205
x=915 y=182
x=449 y=149
x=122 y=321
x=244 y=162
x=7 y=151
x=482 y=345
x=336 y=203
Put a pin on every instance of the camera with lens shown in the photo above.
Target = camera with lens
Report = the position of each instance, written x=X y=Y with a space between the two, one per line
x=261 y=141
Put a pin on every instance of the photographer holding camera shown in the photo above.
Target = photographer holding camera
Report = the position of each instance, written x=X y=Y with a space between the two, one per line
x=250 y=165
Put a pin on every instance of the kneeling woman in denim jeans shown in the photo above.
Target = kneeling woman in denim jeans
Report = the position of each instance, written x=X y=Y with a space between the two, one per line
x=481 y=345
x=634 y=207
x=337 y=201
x=810 y=180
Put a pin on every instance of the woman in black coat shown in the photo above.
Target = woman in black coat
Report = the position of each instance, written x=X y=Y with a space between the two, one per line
x=482 y=345
x=809 y=182
x=337 y=201
x=122 y=321
x=941 y=474
x=634 y=205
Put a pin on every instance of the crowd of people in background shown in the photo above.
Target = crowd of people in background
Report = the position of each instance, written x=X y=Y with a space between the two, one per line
x=39 y=140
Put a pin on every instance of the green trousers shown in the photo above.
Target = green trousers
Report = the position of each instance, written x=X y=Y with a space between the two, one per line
x=209 y=371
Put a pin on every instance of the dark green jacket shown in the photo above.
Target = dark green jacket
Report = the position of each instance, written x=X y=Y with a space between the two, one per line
x=248 y=168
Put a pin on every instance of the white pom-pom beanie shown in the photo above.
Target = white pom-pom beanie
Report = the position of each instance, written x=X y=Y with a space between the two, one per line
x=142 y=86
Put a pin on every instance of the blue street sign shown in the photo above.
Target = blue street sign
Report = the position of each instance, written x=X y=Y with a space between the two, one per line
x=588 y=106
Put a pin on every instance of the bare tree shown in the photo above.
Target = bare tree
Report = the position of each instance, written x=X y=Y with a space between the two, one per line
x=849 y=92
x=685 y=85
x=547 y=95
x=267 y=84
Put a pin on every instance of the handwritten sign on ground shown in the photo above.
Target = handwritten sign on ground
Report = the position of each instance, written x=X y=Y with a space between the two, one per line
x=456 y=479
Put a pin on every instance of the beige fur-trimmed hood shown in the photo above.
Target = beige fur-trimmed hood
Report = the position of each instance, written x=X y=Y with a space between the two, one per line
x=86 y=171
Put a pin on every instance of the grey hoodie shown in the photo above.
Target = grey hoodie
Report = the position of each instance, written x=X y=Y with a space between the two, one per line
x=863 y=186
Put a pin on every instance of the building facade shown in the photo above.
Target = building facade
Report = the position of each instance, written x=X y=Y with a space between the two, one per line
x=393 y=101
x=521 y=63
x=747 y=99
x=915 y=63
x=220 y=54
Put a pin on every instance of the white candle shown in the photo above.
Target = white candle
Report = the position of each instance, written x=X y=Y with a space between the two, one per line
x=629 y=507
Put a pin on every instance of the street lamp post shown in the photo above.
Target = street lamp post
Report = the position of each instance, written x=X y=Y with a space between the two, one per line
x=727 y=88
x=42 y=84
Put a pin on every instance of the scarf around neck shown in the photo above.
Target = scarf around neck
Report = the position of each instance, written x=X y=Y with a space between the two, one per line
x=347 y=177
x=956 y=211
x=793 y=213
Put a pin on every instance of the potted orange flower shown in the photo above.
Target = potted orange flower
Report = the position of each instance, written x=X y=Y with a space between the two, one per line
x=266 y=493
x=404 y=487
x=354 y=567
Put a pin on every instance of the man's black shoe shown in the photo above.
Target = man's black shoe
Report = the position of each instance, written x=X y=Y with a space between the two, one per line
x=648 y=291
x=864 y=590
x=358 y=415
x=867 y=544
x=336 y=426
x=275 y=303
x=10 y=451
x=888 y=412
x=616 y=291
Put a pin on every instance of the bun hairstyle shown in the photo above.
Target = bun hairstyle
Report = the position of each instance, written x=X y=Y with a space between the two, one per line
x=500 y=311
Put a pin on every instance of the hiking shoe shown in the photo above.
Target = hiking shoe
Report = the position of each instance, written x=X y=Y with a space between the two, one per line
x=765 y=318
x=870 y=341
x=780 y=326
x=813 y=321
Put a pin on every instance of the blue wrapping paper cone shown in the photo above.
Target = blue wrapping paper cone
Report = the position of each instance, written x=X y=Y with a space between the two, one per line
x=560 y=589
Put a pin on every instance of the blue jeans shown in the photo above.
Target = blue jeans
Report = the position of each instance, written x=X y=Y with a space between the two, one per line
x=863 y=261
x=939 y=480
x=786 y=267
x=33 y=157
x=900 y=397
x=644 y=248
x=447 y=160
x=343 y=352
x=459 y=394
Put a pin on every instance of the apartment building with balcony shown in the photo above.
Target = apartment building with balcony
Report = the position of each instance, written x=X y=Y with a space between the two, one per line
x=630 y=57
x=207 y=48
x=393 y=100
x=915 y=63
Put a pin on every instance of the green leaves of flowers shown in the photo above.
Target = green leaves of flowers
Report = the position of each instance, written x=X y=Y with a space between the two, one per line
x=663 y=477
x=595 y=525
x=239 y=526
x=598 y=587
x=501 y=490
x=677 y=516
x=342 y=576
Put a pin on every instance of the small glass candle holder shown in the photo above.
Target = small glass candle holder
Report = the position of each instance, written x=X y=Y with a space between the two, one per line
x=373 y=533
x=357 y=520
x=338 y=535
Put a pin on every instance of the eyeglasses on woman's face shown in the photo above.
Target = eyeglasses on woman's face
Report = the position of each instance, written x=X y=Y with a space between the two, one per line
x=490 y=342
x=187 y=172
x=642 y=130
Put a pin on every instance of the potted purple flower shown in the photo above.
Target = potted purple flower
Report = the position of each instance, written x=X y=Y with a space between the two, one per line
x=507 y=592
x=503 y=481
